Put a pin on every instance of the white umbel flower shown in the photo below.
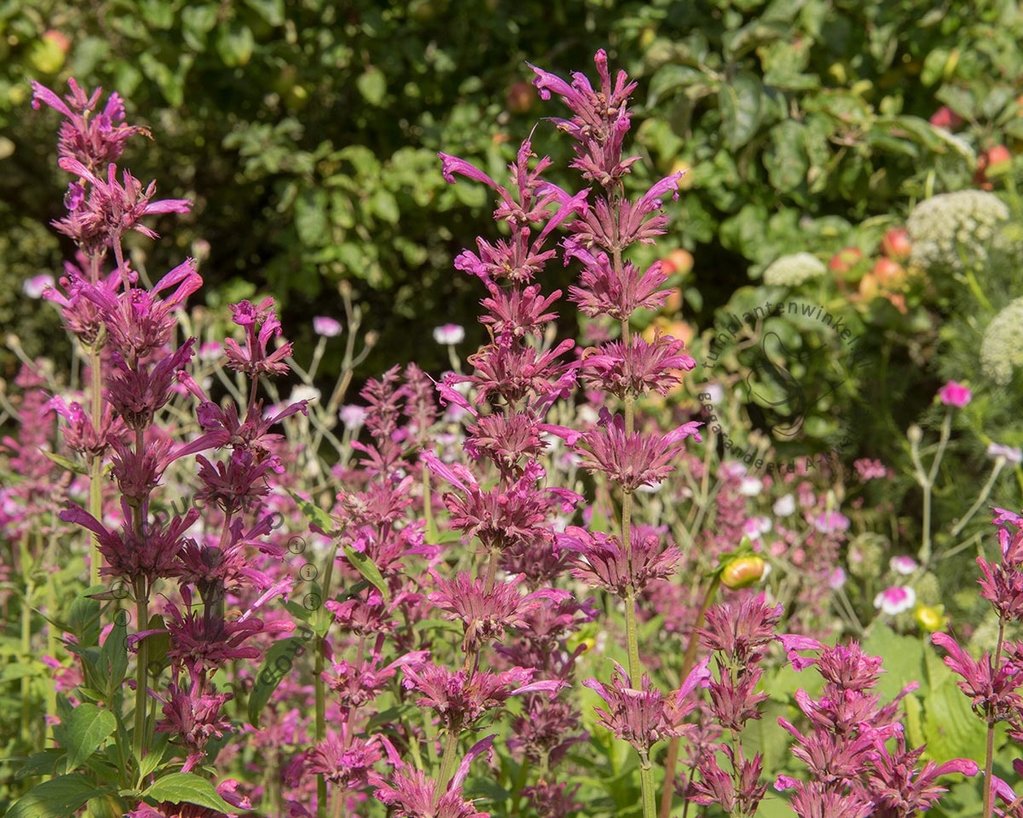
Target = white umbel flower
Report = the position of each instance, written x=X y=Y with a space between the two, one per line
x=952 y=231
x=793 y=270
x=1001 y=351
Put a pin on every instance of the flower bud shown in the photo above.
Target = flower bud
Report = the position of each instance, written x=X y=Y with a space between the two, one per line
x=930 y=617
x=915 y=434
x=743 y=572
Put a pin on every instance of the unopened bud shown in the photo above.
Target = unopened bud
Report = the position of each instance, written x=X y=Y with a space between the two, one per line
x=370 y=338
x=743 y=572
x=915 y=434
x=930 y=617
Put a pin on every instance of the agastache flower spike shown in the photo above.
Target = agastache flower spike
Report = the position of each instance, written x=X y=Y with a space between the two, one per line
x=94 y=139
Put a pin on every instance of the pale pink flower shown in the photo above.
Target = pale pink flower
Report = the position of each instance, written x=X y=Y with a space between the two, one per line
x=449 y=334
x=895 y=599
x=35 y=286
x=326 y=327
x=903 y=564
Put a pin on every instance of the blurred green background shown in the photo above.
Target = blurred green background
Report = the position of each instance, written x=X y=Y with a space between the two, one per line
x=306 y=132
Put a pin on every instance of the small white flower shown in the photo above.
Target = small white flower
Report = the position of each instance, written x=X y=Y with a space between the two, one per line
x=303 y=392
x=352 y=416
x=35 y=286
x=895 y=600
x=714 y=391
x=751 y=486
x=1010 y=453
x=793 y=270
x=903 y=564
x=449 y=334
x=784 y=506
x=587 y=415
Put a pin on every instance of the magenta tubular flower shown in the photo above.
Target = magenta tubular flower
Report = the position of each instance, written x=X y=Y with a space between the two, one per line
x=602 y=290
x=638 y=368
x=346 y=761
x=460 y=698
x=487 y=613
x=95 y=139
x=603 y=563
x=195 y=718
x=149 y=554
x=637 y=459
x=992 y=690
x=261 y=326
x=901 y=790
x=645 y=716
x=138 y=322
x=110 y=208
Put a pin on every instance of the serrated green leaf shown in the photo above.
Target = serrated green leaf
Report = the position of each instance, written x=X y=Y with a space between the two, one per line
x=41 y=763
x=87 y=729
x=188 y=788
x=365 y=566
x=59 y=797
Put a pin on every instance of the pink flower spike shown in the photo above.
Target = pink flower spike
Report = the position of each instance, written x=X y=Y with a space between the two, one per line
x=955 y=394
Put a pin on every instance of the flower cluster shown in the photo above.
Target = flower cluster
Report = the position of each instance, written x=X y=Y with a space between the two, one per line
x=738 y=635
x=793 y=270
x=1001 y=350
x=855 y=767
x=951 y=230
x=137 y=367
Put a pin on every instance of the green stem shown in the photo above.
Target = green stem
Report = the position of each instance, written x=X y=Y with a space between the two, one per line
x=95 y=463
x=981 y=498
x=338 y=807
x=141 y=669
x=688 y=662
x=447 y=765
x=26 y=652
x=646 y=780
x=318 y=684
x=989 y=754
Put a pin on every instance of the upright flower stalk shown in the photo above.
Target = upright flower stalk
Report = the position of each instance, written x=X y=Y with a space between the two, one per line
x=516 y=378
x=99 y=211
x=613 y=288
x=993 y=681
x=134 y=328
